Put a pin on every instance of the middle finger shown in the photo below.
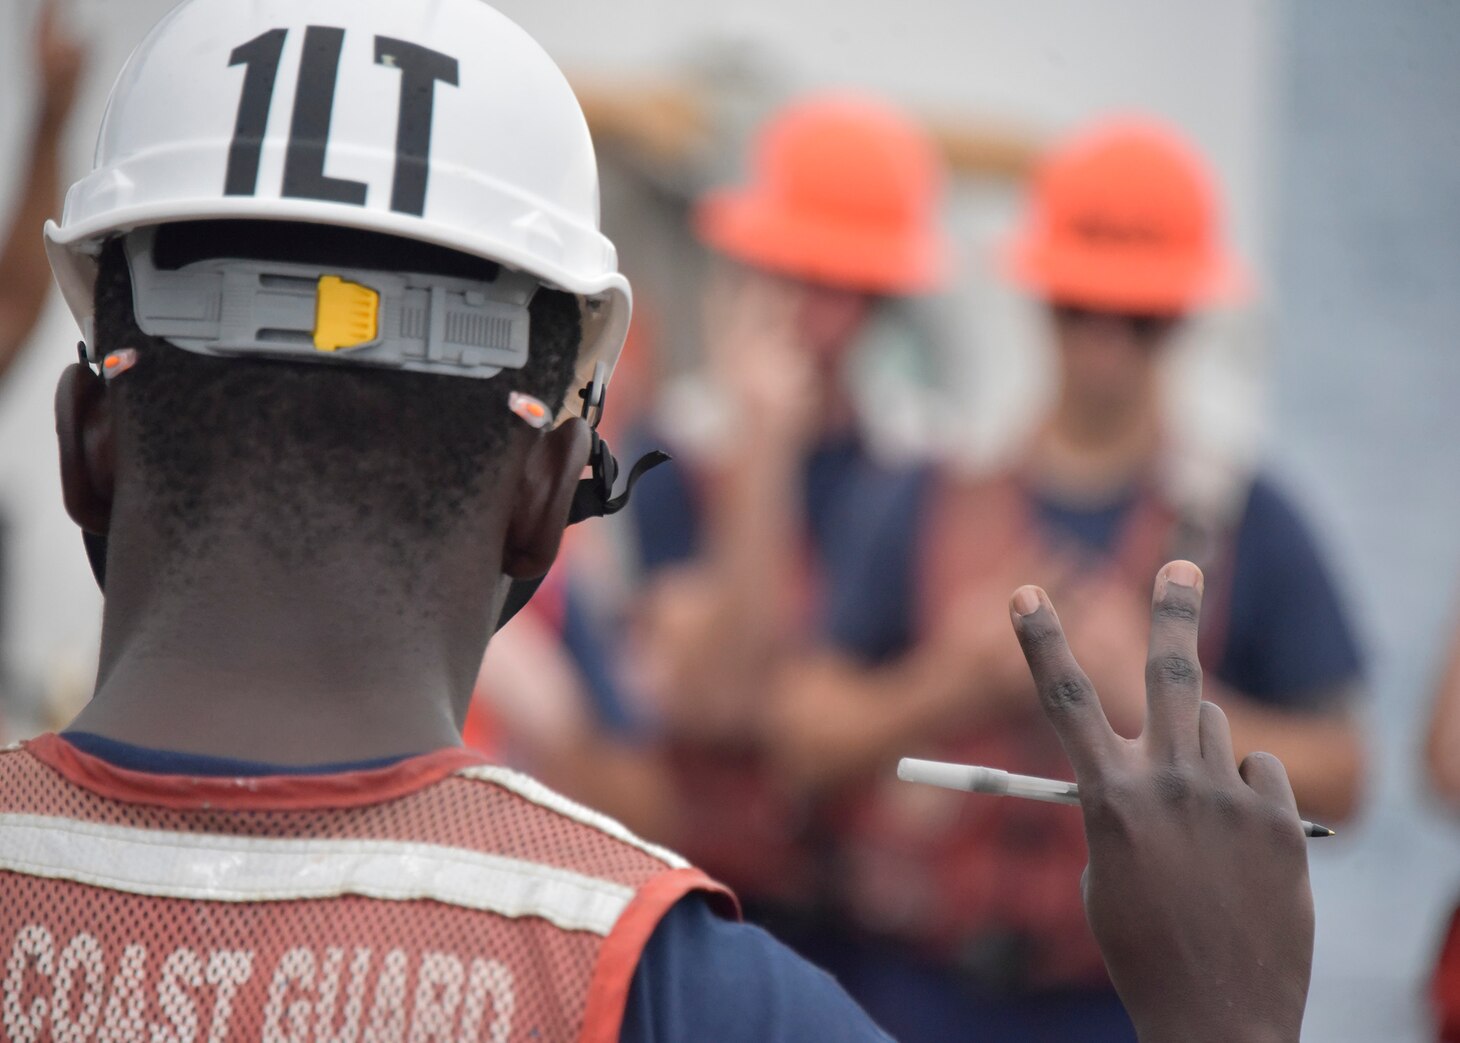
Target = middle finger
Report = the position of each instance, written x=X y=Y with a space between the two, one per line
x=1173 y=672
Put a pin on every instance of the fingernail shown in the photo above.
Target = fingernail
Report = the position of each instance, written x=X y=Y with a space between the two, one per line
x=1026 y=600
x=1183 y=574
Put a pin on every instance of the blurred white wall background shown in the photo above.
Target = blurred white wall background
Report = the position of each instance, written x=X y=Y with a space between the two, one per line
x=1358 y=408
x=1366 y=245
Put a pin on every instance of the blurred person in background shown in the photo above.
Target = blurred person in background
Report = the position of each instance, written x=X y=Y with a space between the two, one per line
x=1442 y=757
x=1122 y=242
x=25 y=277
x=748 y=549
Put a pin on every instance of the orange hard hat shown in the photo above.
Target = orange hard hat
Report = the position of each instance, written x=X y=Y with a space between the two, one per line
x=1125 y=217
x=844 y=191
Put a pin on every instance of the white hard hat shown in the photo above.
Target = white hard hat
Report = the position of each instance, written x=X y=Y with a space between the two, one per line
x=434 y=120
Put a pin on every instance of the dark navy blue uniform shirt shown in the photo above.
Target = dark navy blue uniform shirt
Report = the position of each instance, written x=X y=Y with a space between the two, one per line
x=1289 y=642
x=852 y=503
x=861 y=524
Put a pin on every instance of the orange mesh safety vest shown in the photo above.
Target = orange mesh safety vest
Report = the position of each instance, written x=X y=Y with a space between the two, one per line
x=439 y=899
x=987 y=884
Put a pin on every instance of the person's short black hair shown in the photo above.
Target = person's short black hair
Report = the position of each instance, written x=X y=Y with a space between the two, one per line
x=294 y=450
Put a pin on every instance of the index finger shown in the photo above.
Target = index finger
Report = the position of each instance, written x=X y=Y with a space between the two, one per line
x=1065 y=693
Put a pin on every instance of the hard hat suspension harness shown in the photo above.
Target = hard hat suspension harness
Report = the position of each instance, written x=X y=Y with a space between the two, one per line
x=423 y=323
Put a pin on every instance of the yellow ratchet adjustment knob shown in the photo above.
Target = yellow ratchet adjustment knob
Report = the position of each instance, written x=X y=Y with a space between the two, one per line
x=346 y=315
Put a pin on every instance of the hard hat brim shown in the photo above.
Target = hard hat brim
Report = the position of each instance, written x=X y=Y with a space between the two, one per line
x=758 y=231
x=1120 y=279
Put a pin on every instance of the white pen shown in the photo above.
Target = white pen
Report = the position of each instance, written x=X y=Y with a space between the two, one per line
x=974 y=779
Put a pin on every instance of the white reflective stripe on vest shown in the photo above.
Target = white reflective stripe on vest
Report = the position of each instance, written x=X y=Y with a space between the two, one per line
x=528 y=788
x=214 y=868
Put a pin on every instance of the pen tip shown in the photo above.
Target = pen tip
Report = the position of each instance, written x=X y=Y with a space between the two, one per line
x=1321 y=831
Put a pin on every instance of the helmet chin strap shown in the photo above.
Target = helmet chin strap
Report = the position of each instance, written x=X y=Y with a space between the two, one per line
x=594 y=497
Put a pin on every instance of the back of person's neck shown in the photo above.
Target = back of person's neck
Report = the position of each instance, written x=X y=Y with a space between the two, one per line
x=344 y=659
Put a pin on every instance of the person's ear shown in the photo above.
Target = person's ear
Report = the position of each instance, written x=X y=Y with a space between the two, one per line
x=545 y=487
x=88 y=461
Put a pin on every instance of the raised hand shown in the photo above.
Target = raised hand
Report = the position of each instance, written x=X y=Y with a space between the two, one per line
x=1197 y=888
x=758 y=357
x=59 y=62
